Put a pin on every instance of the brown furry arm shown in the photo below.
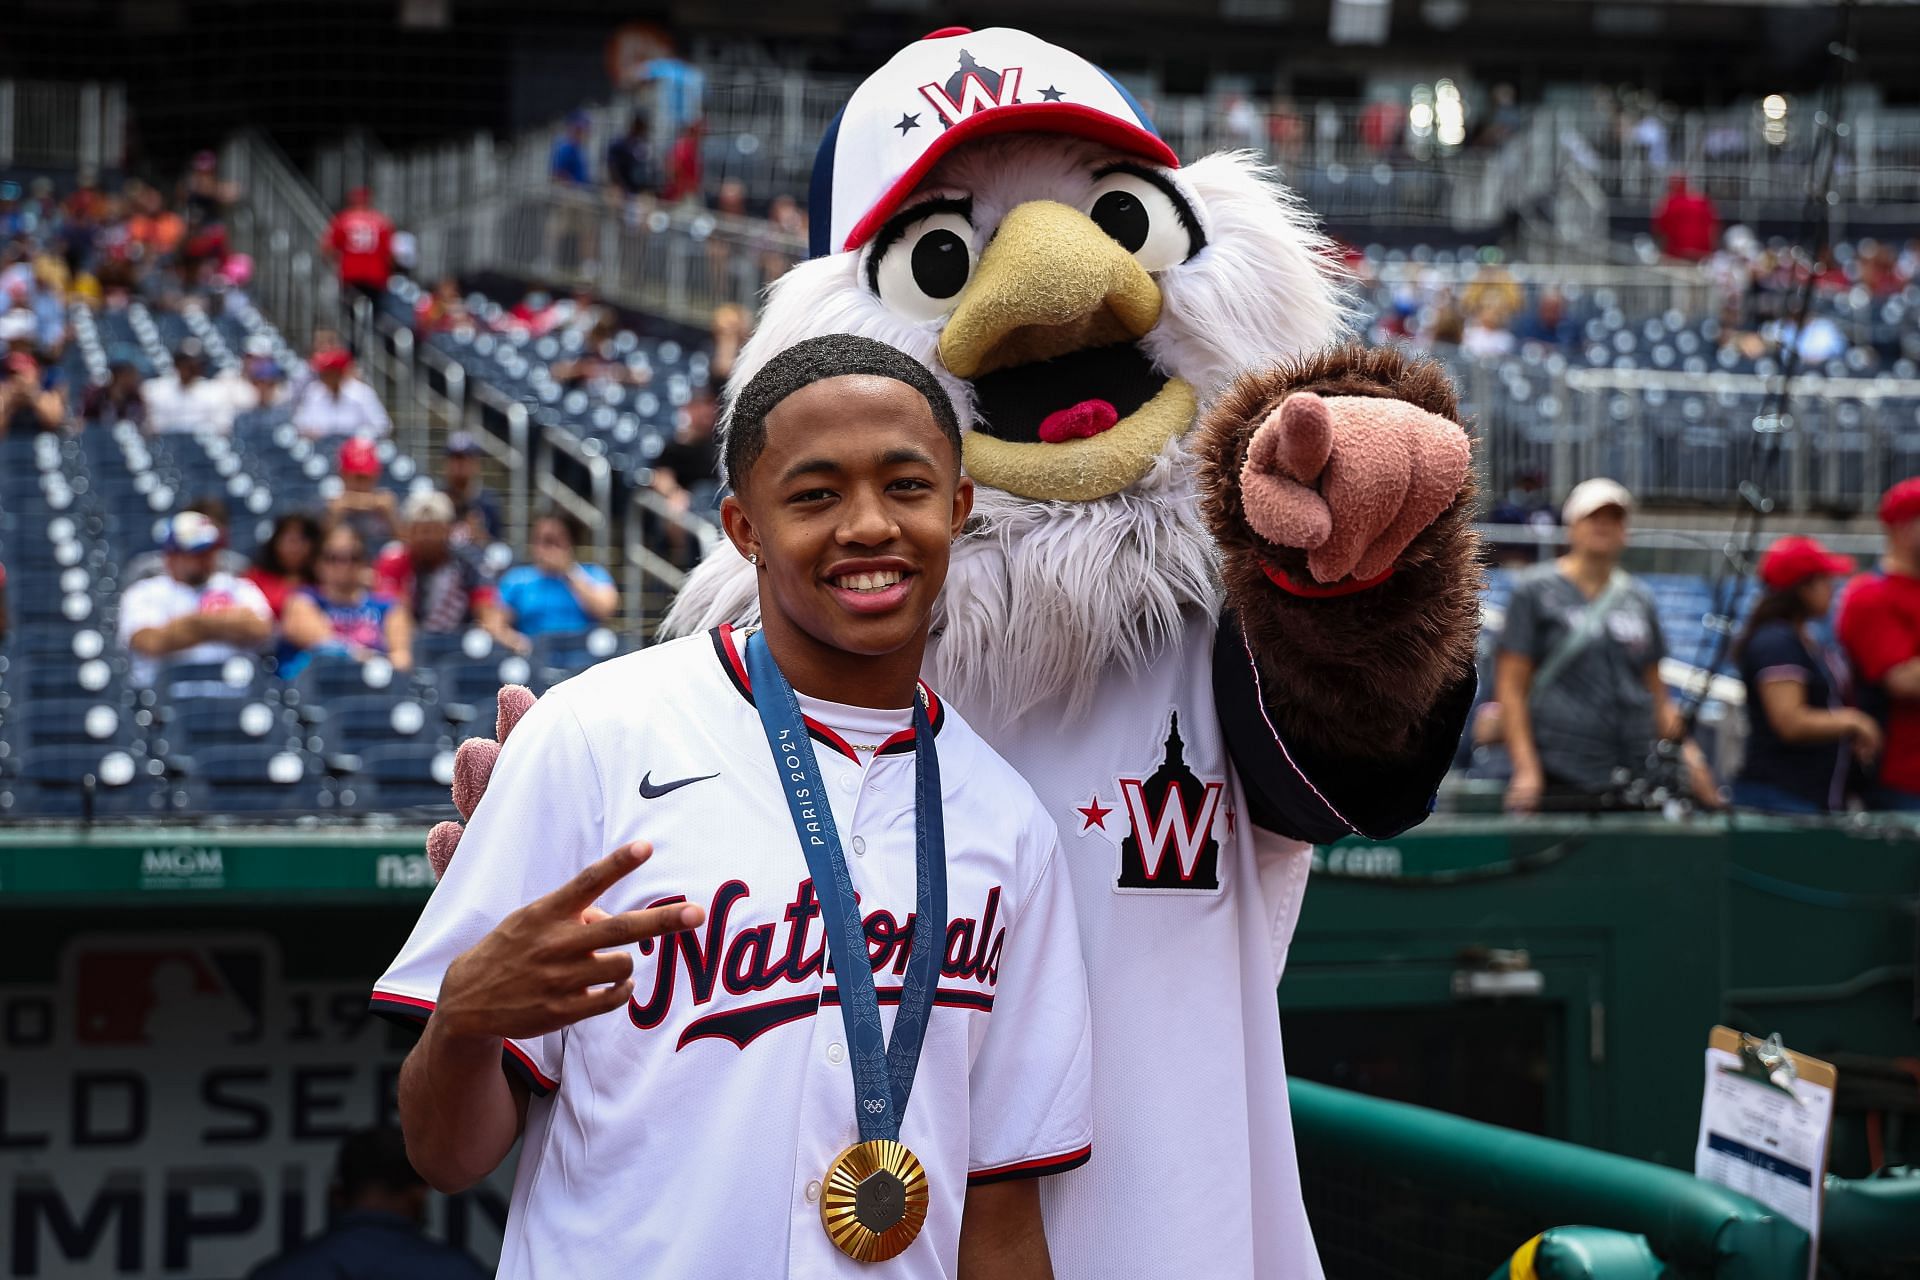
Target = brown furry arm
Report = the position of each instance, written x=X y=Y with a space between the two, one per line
x=1371 y=678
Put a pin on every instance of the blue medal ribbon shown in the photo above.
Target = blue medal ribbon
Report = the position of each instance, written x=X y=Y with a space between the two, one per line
x=882 y=1072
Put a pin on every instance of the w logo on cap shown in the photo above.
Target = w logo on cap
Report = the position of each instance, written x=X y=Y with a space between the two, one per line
x=972 y=88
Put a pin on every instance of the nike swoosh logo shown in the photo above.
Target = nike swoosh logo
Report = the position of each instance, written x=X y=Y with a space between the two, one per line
x=650 y=792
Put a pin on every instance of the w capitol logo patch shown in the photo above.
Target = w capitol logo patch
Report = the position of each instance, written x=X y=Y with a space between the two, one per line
x=972 y=88
x=1163 y=825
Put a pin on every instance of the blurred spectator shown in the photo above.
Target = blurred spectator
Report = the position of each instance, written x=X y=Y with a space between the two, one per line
x=1526 y=503
x=361 y=502
x=151 y=564
x=285 y=561
x=378 y=1205
x=325 y=343
x=1488 y=336
x=784 y=240
x=556 y=593
x=1686 y=225
x=266 y=384
x=1880 y=629
x=27 y=292
x=442 y=585
x=186 y=399
x=687 y=471
x=1578 y=671
x=337 y=403
x=731 y=328
x=598 y=363
x=202 y=195
x=476 y=513
x=193 y=612
x=567 y=163
x=1493 y=288
x=630 y=160
x=578 y=315
x=1548 y=321
x=535 y=310
x=684 y=166
x=154 y=228
x=1801 y=730
x=360 y=242
x=119 y=399
x=339 y=614
x=25 y=405
x=679 y=87
x=443 y=310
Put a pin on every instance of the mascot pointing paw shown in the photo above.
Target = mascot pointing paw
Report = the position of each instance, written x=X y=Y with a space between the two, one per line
x=1217 y=602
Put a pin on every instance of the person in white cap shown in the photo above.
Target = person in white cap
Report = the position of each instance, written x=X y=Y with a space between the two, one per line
x=194 y=612
x=1578 y=670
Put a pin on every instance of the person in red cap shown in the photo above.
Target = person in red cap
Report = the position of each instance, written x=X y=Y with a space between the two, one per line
x=336 y=403
x=360 y=242
x=1803 y=735
x=360 y=502
x=1880 y=628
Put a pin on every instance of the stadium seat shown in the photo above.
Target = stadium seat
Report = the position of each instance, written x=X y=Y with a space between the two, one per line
x=327 y=676
x=364 y=720
x=410 y=775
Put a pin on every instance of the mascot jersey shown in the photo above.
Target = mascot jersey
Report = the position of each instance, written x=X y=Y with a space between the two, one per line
x=1217 y=600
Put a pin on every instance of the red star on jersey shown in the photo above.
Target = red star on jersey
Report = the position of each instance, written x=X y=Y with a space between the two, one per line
x=1093 y=814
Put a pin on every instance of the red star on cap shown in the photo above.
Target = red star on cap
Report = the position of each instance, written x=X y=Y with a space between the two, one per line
x=1093 y=814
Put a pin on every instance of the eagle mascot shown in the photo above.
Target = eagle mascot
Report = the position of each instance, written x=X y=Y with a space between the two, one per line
x=1217 y=601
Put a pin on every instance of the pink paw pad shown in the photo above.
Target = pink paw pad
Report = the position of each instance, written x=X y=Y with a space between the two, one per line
x=442 y=841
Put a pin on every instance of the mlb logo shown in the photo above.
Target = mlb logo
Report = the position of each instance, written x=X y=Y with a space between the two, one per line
x=163 y=990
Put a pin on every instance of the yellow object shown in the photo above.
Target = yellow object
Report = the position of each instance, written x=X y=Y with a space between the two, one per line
x=1521 y=1268
x=1050 y=282
x=875 y=1200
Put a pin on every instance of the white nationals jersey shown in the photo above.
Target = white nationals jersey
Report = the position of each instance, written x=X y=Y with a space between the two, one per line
x=1186 y=912
x=687 y=1136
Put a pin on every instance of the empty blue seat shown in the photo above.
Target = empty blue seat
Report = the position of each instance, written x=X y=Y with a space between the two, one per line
x=371 y=719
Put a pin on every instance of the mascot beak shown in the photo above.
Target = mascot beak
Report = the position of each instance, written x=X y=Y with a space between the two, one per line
x=1070 y=407
x=1050 y=282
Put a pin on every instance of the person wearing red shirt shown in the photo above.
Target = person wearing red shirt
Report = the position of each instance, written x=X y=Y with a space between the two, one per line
x=1880 y=629
x=684 y=165
x=1687 y=224
x=360 y=239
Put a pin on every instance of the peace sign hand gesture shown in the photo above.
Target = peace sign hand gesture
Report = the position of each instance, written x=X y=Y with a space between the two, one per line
x=557 y=960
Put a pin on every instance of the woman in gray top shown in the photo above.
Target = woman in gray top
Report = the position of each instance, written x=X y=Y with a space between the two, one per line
x=1578 y=669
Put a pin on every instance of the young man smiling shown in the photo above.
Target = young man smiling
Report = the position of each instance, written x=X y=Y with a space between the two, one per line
x=758 y=1110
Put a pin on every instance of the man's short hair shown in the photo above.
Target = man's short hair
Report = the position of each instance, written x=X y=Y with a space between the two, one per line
x=831 y=355
x=429 y=505
x=374 y=1160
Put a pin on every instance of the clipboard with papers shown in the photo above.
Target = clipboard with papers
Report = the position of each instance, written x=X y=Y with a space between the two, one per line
x=1765 y=1119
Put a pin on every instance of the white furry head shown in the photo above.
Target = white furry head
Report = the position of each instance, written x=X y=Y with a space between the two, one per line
x=1044 y=595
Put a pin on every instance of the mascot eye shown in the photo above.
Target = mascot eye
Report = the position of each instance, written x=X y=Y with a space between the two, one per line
x=921 y=273
x=1143 y=219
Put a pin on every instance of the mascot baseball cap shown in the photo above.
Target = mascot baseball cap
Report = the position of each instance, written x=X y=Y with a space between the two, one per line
x=952 y=87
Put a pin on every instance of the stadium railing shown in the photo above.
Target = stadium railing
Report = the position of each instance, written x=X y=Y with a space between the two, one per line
x=1562 y=170
x=280 y=222
x=63 y=126
x=1476 y=1178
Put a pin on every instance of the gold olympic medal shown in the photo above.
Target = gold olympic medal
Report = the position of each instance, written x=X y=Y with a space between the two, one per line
x=875 y=1200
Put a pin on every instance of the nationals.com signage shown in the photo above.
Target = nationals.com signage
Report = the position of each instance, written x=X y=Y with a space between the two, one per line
x=171 y=1104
